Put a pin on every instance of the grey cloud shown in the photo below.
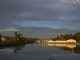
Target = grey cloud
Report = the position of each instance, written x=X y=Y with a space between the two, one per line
x=37 y=10
x=45 y=30
x=40 y=32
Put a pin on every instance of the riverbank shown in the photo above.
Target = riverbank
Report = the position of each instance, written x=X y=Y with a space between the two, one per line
x=13 y=43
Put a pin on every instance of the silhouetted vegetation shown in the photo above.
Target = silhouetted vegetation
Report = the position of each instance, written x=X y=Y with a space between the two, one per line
x=76 y=36
x=19 y=38
x=0 y=38
x=14 y=40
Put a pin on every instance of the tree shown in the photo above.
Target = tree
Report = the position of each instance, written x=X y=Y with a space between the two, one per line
x=68 y=36
x=0 y=38
x=17 y=35
x=77 y=36
x=61 y=37
x=7 y=39
x=13 y=39
x=57 y=38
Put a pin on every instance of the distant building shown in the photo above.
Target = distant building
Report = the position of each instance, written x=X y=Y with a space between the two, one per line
x=71 y=41
x=67 y=41
x=3 y=38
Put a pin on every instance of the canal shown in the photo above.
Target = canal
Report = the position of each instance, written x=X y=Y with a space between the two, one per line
x=41 y=51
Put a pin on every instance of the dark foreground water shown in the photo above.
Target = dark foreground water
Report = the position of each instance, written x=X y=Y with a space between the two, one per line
x=39 y=51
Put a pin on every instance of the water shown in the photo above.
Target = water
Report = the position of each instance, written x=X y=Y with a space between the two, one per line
x=38 y=51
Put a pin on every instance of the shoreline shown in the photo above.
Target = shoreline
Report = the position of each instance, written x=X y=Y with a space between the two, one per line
x=11 y=44
x=77 y=43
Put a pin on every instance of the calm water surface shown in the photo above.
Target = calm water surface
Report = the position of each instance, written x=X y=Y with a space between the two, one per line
x=38 y=51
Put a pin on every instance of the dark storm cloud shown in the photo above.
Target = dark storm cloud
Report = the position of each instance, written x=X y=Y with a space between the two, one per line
x=37 y=10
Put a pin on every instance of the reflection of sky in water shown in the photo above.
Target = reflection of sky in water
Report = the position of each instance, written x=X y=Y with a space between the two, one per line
x=38 y=52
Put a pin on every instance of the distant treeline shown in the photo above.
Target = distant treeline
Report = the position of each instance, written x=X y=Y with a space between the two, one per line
x=76 y=36
x=16 y=38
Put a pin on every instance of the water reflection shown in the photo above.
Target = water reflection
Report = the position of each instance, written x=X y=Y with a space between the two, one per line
x=65 y=47
x=38 y=51
x=18 y=48
x=15 y=48
x=77 y=49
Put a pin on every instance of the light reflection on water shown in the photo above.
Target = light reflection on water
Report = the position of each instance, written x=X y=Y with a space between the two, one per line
x=39 y=51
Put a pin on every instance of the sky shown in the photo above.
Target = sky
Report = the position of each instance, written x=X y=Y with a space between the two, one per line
x=39 y=18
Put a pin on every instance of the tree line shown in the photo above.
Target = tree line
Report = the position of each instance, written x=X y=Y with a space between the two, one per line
x=76 y=36
x=17 y=38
